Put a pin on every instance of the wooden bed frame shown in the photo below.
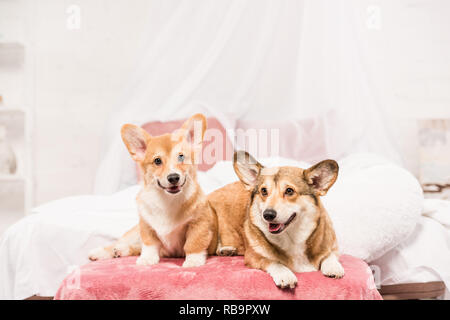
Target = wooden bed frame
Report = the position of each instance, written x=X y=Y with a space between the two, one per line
x=409 y=291
x=405 y=291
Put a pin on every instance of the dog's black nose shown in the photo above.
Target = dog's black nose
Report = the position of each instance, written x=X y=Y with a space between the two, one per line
x=173 y=178
x=269 y=214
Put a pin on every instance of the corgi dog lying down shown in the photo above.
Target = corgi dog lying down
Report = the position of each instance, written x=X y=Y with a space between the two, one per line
x=274 y=217
x=175 y=219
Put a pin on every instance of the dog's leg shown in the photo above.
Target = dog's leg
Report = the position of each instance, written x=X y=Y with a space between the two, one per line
x=198 y=238
x=331 y=267
x=281 y=275
x=226 y=246
x=195 y=259
x=150 y=245
x=129 y=244
x=149 y=255
x=101 y=253
x=226 y=250
x=229 y=241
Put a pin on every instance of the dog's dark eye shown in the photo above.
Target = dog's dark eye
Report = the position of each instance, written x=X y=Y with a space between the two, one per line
x=180 y=157
x=289 y=191
x=264 y=192
x=157 y=161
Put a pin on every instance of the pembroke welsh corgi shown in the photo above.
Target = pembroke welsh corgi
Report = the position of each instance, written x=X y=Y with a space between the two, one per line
x=275 y=217
x=175 y=219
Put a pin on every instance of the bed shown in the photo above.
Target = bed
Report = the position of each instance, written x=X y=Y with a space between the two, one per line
x=406 y=243
x=42 y=249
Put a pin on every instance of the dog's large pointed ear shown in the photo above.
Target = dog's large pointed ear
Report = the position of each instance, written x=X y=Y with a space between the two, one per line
x=321 y=176
x=192 y=130
x=136 y=140
x=247 y=168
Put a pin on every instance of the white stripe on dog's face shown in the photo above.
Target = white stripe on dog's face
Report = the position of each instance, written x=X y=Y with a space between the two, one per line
x=163 y=160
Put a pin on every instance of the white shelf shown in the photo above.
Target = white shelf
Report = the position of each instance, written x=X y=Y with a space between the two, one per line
x=12 y=54
x=17 y=108
x=11 y=46
x=12 y=109
x=11 y=178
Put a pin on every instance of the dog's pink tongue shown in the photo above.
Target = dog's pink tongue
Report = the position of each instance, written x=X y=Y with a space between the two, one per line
x=274 y=227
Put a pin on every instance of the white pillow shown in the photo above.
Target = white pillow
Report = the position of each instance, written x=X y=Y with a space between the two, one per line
x=413 y=260
x=374 y=204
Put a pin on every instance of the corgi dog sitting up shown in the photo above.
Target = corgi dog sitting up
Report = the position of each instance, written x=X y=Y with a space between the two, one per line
x=276 y=217
x=175 y=219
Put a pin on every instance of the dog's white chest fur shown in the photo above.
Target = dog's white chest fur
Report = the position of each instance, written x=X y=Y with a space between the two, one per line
x=164 y=215
x=293 y=242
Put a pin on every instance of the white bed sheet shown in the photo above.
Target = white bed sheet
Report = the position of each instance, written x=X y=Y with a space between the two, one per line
x=425 y=255
x=37 y=252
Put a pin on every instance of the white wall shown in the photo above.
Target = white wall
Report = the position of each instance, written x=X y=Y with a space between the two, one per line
x=80 y=75
x=411 y=66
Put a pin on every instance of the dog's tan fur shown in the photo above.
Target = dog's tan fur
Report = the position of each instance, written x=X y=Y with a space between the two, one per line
x=308 y=243
x=170 y=225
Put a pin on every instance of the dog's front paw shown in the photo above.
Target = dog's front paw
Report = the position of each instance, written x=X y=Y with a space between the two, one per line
x=147 y=260
x=194 y=260
x=149 y=255
x=100 y=254
x=332 y=268
x=282 y=276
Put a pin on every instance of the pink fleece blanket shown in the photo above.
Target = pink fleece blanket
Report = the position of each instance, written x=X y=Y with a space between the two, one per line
x=220 y=278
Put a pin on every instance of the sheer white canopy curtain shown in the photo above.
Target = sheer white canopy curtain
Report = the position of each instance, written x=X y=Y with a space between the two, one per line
x=262 y=60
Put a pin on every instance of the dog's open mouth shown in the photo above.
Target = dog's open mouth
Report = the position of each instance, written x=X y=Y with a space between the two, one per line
x=275 y=228
x=172 y=189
